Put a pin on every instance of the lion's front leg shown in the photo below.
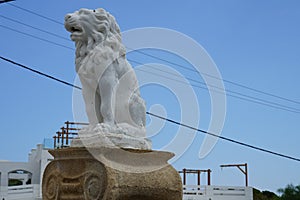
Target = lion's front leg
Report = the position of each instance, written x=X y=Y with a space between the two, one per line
x=107 y=94
x=88 y=93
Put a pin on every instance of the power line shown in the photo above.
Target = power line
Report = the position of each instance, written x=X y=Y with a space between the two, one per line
x=40 y=73
x=36 y=37
x=225 y=138
x=234 y=96
x=41 y=30
x=219 y=90
x=35 y=13
x=241 y=96
x=5 y=1
x=244 y=97
x=173 y=63
x=163 y=118
x=227 y=81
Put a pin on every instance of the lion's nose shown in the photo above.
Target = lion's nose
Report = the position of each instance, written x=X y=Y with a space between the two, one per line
x=68 y=16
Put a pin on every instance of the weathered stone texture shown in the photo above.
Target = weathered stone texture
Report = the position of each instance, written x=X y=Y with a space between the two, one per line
x=115 y=174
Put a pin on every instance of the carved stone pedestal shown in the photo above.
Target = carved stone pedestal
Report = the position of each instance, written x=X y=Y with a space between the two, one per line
x=110 y=174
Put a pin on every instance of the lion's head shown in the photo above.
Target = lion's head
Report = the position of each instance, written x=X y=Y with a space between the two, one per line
x=91 y=28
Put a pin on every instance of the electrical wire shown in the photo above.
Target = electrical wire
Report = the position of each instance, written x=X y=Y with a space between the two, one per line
x=5 y=1
x=234 y=96
x=41 y=30
x=36 y=37
x=219 y=90
x=241 y=96
x=225 y=138
x=211 y=76
x=173 y=63
x=40 y=73
x=163 y=118
x=35 y=13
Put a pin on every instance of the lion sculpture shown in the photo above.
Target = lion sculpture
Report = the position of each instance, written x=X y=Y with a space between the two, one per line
x=109 y=84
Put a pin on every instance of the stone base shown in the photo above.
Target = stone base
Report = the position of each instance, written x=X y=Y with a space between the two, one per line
x=117 y=136
x=110 y=174
x=110 y=140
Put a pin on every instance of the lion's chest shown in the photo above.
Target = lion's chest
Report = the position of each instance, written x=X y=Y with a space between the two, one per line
x=92 y=67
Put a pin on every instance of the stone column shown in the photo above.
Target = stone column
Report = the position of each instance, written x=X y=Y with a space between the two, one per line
x=111 y=174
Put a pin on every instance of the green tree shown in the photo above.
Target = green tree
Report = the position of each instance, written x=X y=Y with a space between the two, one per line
x=14 y=182
x=265 y=195
x=290 y=192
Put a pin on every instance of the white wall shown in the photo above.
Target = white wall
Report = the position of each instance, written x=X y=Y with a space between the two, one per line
x=22 y=192
x=211 y=192
x=37 y=161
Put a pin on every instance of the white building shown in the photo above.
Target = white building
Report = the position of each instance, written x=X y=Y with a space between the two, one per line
x=22 y=180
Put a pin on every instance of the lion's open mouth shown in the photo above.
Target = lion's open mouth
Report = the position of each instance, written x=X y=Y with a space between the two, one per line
x=73 y=29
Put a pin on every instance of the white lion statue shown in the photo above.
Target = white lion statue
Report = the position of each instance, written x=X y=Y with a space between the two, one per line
x=109 y=84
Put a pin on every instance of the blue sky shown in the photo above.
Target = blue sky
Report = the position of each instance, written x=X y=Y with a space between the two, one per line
x=253 y=43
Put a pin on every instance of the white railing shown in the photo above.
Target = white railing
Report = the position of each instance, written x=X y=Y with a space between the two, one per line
x=22 y=192
x=194 y=192
x=20 y=189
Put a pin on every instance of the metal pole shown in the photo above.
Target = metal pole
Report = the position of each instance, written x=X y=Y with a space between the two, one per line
x=184 y=176
x=198 y=173
x=54 y=137
x=67 y=136
x=246 y=174
x=208 y=176
x=62 y=136
x=58 y=138
x=244 y=171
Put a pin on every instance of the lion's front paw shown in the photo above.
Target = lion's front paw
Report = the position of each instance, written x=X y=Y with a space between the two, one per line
x=107 y=124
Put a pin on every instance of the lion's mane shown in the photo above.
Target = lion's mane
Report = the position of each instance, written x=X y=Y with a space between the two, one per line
x=103 y=35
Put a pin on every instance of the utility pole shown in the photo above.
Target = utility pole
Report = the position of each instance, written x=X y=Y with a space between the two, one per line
x=244 y=170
